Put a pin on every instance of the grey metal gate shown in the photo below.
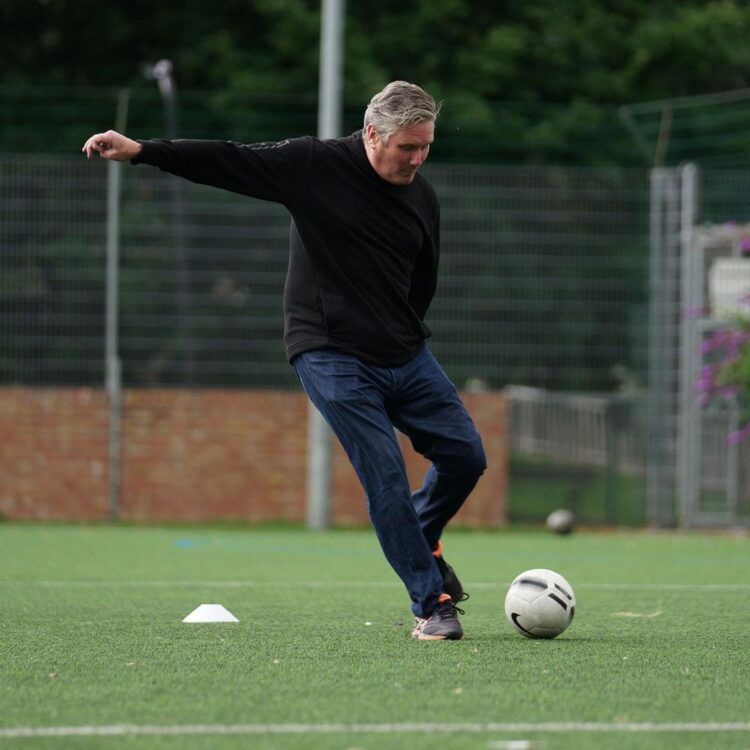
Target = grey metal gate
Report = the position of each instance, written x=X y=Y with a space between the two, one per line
x=696 y=477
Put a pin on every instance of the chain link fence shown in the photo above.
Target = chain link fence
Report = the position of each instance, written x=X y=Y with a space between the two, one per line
x=543 y=278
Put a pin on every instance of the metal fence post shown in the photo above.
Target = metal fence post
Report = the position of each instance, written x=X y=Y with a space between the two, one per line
x=112 y=361
x=112 y=364
x=329 y=125
x=689 y=427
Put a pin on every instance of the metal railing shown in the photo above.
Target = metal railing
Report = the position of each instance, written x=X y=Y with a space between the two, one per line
x=581 y=429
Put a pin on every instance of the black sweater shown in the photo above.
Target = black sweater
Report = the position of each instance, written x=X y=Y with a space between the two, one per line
x=363 y=252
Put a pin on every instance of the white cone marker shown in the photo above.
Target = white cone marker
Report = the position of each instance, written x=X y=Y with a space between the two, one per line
x=211 y=613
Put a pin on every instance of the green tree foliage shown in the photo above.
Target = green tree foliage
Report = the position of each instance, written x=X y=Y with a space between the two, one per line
x=535 y=81
x=535 y=51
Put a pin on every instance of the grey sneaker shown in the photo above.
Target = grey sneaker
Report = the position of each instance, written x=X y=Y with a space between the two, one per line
x=441 y=625
x=451 y=585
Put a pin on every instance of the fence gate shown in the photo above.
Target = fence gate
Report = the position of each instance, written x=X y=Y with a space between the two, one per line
x=695 y=476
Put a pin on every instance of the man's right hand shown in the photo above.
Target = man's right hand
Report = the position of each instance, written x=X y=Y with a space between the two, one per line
x=111 y=145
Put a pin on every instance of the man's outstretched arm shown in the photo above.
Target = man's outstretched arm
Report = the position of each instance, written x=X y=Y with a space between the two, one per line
x=270 y=171
x=111 y=145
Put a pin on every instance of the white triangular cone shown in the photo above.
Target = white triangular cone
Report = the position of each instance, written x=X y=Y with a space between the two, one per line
x=211 y=613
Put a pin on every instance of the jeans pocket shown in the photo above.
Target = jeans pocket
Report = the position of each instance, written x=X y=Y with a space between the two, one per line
x=334 y=376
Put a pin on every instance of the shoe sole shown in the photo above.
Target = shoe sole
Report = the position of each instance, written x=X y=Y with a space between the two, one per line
x=422 y=637
x=439 y=638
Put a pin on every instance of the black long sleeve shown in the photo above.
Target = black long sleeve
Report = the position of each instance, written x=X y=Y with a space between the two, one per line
x=363 y=252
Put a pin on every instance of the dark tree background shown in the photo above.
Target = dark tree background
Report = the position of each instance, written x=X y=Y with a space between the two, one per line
x=532 y=81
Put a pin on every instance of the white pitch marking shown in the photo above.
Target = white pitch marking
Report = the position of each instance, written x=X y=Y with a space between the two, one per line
x=405 y=728
x=364 y=584
x=207 y=584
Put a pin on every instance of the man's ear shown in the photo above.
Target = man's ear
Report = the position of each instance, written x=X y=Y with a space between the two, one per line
x=371 y=135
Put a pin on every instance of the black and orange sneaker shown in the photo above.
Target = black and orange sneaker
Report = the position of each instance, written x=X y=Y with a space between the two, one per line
x=451 y=585
x=441 y=625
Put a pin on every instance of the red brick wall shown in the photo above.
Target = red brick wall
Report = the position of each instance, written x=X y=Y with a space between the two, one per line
x=196 y=456
x=201 y=455
x=53 y=453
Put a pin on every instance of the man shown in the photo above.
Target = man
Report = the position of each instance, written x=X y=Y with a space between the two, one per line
x=362 y=272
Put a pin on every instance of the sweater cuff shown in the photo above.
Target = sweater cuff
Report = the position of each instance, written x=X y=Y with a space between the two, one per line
x=146 y=153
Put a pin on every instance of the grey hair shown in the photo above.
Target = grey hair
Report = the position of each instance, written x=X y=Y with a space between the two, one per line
x=399 y=105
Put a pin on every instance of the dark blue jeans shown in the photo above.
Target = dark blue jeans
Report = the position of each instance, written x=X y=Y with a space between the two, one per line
x=363 y=404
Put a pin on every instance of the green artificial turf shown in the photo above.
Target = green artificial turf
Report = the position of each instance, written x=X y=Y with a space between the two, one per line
x=91 y=634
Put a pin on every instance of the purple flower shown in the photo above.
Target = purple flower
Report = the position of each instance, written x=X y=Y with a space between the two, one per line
x=706 y=382
x=727 y=342
x=717 y=340
x=745 y=245
x=723 y=374
x=737 y=437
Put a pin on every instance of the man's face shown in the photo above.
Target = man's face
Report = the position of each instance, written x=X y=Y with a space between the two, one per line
x=398 y=159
